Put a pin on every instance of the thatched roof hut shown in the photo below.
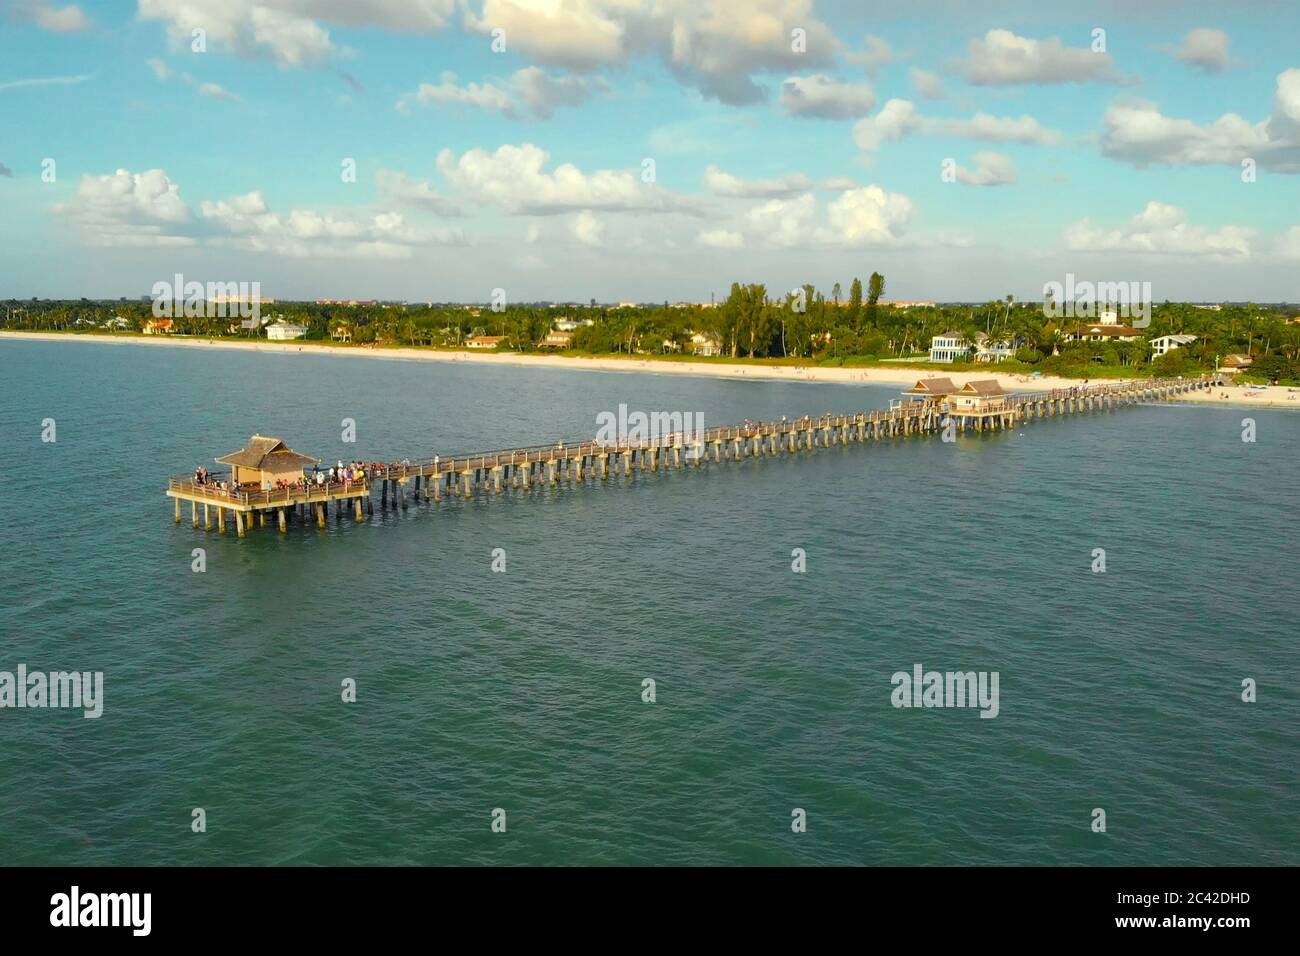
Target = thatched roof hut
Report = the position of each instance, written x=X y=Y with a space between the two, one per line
x=266 y=459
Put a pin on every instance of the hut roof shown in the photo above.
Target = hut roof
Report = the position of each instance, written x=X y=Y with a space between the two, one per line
x=267 y=454
x=933 y=386
x=1238 y=359
x=985 y=386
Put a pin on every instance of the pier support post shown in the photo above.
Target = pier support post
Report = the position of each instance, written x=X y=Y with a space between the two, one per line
x=178 y=509
x=207 y=518
x=194 y=512
x=221 y=520
x=357 y=503
x=284 y=528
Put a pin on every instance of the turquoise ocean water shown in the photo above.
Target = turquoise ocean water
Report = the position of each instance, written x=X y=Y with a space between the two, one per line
x=522 y=691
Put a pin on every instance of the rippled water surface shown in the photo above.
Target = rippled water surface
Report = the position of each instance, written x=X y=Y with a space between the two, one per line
x=522 y=690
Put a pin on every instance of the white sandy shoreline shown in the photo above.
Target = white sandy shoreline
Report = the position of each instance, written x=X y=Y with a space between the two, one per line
x=1271 y=397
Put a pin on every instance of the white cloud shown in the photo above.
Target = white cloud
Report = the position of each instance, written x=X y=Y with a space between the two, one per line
x=837 y=184
x=47 y=16
x=1138 y=133
x=399 y=189
x=868 y=215
x=246 y=222
x=1204 y=48
x=292 y=33
x=724 y=184
x=1161 y=229
x=720 y=239
x=129 y=209
x=714 y=45
x=875 y=53
x=1288 y=244
x=1001 y=57
x=865 y=215
x=588 y=230
x=926 y=84
x=898 y=118
x=47 y=81
x=820 y=95
x=991 y=169
x=530 y=92
x=217 y=92
x=514 y=179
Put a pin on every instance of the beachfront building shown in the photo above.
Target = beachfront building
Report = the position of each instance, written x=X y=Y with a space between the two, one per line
x=282 y=331
x=1103 y=332
x=1232 y=364
x=485 y=341
x=1167 y=343
x=702 y=343
x=557 y=340
x=954 y=347
x=264 y=462
x=158 y=327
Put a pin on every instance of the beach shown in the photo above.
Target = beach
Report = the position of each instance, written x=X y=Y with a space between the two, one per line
x=1270 y=397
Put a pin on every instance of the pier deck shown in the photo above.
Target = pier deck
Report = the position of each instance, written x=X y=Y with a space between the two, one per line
x=494 y=471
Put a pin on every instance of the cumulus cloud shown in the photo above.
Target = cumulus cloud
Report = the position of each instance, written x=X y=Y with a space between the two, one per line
x=292 y=33
x=47 y=16
x=399 y=189
x=129 y=209
x=714 y=45
x=1160 y=229
x=874 y=54
x=1205 y=49
x=529 y=93
x=246 y=222
x=720 y=239
x=990 y=169
x=1001 y=57
x=1138 y=133
x=588 y=230
x=514 y=179
x=927 y=84
x=724 y=184
x=1288 y=244
x=899 y=118
x=820 y=95
x=865 y=215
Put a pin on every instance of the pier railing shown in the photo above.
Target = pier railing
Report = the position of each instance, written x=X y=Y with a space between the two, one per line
x=294 y=494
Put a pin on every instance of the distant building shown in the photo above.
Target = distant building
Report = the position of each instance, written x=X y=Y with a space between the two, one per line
x=1167 y=343
x=341 y=333
x=117 y=324
x=565 y=325
x=485 y=341
x=557 y=340
x=949 y=347
x=905 y=304
x=1103 y=332
x=159 y=327
x=702 y=343
x=953 y=346
x=347 y=301
x=1236 y=362
x=282 y=331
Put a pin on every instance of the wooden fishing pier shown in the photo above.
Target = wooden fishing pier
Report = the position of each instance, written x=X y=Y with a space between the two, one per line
x=277 y=489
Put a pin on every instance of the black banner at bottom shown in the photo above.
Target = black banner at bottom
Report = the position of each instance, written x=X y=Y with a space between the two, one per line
x=338 y=905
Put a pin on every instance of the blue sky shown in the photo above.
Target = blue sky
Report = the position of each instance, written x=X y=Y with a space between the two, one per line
x=524 y=169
